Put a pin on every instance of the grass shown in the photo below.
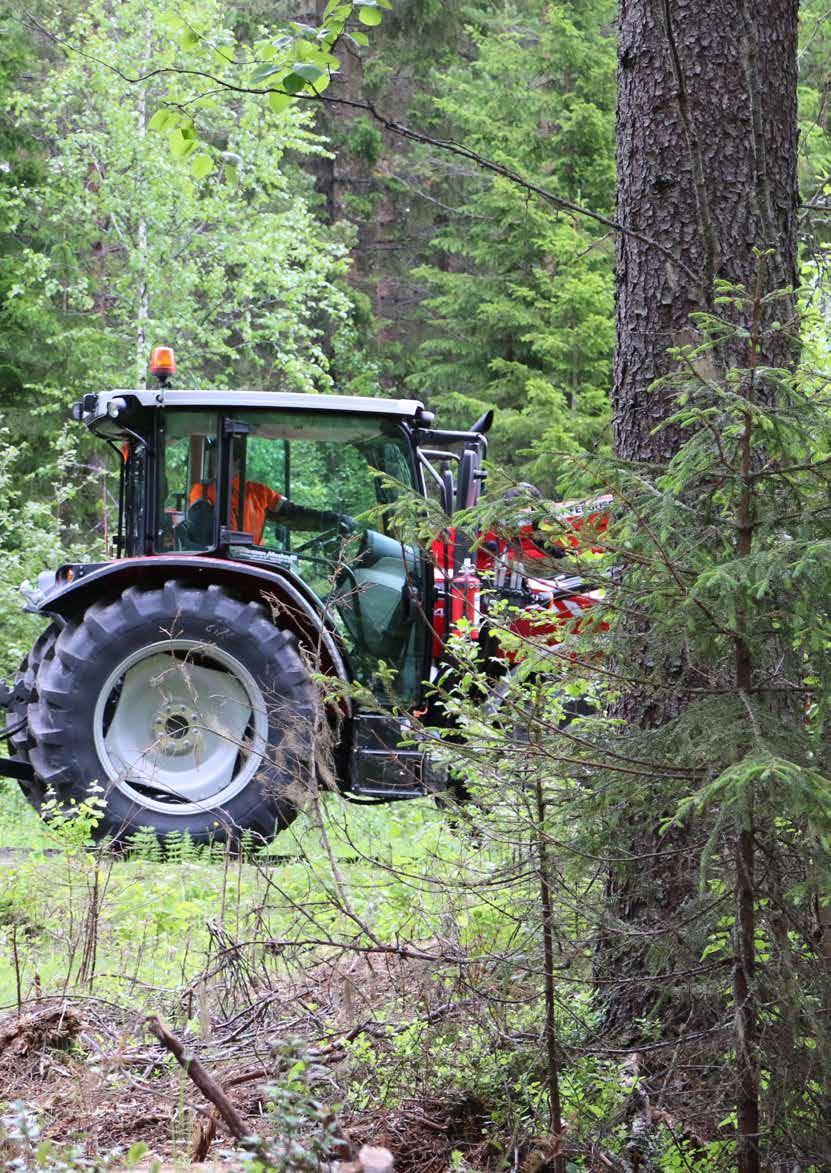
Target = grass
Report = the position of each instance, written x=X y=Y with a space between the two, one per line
x=236 y=956
x=20 y=825
x=157 y=920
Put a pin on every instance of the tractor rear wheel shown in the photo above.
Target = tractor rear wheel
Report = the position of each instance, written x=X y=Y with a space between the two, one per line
x=20 y=741
x=187 y=707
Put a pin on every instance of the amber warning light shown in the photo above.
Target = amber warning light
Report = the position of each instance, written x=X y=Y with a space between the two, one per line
x=163 y=363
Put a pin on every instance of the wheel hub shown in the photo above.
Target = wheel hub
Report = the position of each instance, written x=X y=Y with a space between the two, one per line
x=177 y=729
x=180 y=726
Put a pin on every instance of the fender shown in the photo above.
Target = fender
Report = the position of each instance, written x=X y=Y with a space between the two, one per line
x=299 y=606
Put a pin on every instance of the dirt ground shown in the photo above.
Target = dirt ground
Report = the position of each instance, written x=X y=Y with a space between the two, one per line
x=98 y=1082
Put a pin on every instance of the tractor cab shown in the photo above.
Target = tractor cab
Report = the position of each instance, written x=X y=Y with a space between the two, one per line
x=300 y=487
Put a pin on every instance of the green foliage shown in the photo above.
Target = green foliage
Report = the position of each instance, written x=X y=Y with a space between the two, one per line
x=291 y=60
x=364 y=140
x=133 y=214
x=709 y=587
x=223 y=259
x=815 y=123
x=726 y=556
x=109 y=245
x=303 y=1125
x=519 y=299
x=36 y=534
x=72 y=824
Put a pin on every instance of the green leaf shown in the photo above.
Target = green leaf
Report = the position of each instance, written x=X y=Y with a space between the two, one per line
x=189 y=39
x=182 y=142
x=264 y=71
x=201 y=166
x=314 y=55
x=307 y=71
x=171 y=22
x=268 y=50
x=293 y=83
x=359 y=38
x=135 y=1153
x=280 y=102
x=161 y=120
x=369 y=16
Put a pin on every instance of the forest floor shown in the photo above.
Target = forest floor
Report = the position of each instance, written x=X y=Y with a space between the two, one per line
x=305 y=981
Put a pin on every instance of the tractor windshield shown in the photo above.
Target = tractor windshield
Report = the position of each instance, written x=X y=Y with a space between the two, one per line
x=303 y=491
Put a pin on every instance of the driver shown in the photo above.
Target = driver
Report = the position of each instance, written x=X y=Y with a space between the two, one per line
x=263 y=505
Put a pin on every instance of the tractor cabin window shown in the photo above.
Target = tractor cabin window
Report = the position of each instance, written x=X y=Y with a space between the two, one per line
x=187 y=481
x=309 y=489
x=317 y=485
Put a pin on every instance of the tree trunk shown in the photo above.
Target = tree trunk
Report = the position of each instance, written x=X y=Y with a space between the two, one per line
x=706 y=156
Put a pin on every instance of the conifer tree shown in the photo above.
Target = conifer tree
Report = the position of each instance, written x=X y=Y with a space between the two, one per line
x=518 y=300
x=706 y=147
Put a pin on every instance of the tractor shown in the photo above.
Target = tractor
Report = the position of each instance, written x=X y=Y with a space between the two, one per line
x=257 y=556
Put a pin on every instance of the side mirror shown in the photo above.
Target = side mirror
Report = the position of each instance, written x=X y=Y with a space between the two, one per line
x=467 y=490
x=447 y=491
x=483 y=424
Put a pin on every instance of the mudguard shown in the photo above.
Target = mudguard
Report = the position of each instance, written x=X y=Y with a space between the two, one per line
x=77 y=587
x=370 y=765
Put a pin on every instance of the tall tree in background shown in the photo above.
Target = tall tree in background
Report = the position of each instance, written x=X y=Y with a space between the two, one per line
x=706 y=156
x=519 y=301
x=113 y=239
x=211 y=246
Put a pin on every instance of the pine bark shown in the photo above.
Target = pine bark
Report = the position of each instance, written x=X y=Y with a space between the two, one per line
x=706 y=156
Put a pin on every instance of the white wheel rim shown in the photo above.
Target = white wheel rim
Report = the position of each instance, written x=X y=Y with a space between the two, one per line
x=180 y=727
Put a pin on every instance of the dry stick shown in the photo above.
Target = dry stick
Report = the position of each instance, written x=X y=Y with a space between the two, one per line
x=552 y=1049
x=86 y=970
x=207 y=1085
x=17 y=969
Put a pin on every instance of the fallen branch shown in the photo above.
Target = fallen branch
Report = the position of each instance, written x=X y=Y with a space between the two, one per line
x=370 y=1159
x=207 y=1085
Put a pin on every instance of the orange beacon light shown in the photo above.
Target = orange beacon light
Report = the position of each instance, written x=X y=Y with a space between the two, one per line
x=163 y=363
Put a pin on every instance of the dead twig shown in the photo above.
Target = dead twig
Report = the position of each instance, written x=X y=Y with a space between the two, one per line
x=207 y=1085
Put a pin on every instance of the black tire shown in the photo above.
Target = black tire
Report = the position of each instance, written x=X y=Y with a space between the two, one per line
x=20 y=742
x=70 y=682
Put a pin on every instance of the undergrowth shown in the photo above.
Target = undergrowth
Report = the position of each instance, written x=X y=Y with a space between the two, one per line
x=379 y=943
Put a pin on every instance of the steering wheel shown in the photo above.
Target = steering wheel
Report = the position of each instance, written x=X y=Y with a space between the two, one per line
x=321 y=539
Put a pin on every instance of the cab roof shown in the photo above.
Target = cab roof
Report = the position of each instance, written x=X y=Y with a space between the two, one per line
x=93 y=407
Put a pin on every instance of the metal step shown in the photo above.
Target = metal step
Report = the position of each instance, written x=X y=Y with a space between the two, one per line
x=380 y=769
x=388 y=772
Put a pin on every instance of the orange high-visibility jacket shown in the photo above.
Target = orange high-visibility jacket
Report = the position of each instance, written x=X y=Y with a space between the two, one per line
x=259 y=501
